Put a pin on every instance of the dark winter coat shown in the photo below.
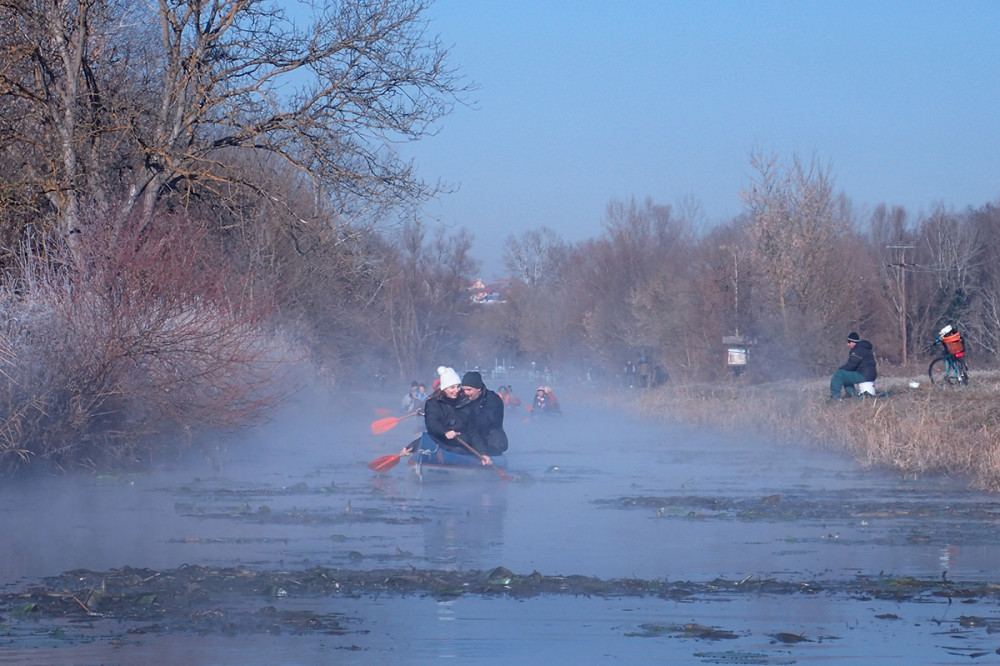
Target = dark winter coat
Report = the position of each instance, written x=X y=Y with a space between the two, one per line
x=481 y=422
x=440 y=416
x=862 y=360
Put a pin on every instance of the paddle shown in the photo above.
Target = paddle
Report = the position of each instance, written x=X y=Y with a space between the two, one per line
x=483 y=458
x=389 y=422
x=385 y=463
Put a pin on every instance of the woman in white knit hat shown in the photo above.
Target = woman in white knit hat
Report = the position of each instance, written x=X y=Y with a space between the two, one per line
x=440 y=415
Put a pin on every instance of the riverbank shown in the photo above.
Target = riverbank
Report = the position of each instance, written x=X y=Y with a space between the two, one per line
x=917 y=431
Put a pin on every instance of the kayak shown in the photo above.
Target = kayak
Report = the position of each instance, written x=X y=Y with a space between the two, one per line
x=429 y=455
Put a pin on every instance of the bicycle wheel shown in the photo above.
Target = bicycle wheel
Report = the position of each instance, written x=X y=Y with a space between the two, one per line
x=938 y=372
x=961 y=372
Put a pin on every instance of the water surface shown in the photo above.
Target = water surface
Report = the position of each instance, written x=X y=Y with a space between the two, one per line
x=596 y=494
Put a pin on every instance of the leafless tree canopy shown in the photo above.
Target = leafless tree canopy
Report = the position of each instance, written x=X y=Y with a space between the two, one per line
x=120 y=105
x=171 y=171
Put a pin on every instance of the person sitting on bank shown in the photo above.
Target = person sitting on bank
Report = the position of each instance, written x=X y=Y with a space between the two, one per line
x=859 y=368
x=481 y=414
x=440 y=413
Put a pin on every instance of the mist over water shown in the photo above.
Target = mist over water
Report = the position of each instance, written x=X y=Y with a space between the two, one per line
x=597 y=493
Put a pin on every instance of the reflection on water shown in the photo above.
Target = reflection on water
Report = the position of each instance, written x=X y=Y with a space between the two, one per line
x=474 y=526
x=594 y=495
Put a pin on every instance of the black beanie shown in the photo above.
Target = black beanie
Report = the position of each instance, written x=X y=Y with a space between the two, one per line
x=853 y=337
x=473 y=379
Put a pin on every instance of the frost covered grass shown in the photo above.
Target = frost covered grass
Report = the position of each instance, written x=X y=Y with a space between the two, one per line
x=928 y=430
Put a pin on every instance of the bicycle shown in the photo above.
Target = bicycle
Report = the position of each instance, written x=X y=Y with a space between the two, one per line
x=948 y=368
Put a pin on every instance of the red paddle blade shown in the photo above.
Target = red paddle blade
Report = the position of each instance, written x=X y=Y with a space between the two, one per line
x=502 y=474
x=384 y=425
x=385 y=463
x=382 y=411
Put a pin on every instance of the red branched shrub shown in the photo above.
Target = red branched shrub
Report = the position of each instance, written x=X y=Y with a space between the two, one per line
x=139 y=336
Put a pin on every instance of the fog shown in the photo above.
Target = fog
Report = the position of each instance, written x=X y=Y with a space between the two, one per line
x=595 y=493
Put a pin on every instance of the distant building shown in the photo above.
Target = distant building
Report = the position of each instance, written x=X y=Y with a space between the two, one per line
x=489 y=293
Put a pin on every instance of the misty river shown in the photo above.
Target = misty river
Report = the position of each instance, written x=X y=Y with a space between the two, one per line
x=744 y=552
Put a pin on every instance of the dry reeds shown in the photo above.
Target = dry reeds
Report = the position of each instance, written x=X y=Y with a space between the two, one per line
x=951 y=430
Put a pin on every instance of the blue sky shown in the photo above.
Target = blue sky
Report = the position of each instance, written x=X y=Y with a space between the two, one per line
x=587 y=101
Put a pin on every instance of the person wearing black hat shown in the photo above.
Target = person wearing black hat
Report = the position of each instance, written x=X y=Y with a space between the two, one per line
x=860 y=367
x=481 y=416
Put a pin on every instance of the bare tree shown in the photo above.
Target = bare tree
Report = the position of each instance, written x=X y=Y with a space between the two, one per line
x=536 y=257
x=54 y=117
x=949 y=256
x=426 y=295
x=328 y=87
x=984 y=322
x=811 y=264
x=628 y=279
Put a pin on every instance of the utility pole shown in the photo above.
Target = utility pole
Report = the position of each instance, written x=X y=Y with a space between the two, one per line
x=901 y=285
x=736 y=286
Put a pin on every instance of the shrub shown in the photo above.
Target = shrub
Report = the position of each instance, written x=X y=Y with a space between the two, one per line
x=136 y=337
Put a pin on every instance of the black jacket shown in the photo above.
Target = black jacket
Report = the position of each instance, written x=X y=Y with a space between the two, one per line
x=440 y=416
x=862 y=360
x=481 y=422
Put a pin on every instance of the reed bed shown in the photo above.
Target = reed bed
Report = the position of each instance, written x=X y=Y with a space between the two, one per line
x=953 y=431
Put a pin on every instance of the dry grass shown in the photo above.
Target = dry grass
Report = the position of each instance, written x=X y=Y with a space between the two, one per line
x=949 y=431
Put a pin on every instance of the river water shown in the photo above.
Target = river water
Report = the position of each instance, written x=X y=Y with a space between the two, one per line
x=594 y=494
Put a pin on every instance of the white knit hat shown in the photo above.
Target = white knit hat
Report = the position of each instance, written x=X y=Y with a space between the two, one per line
x=448 y=377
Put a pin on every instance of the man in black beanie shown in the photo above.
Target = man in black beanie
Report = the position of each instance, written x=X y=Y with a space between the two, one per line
x=481 y=416
x=860 y=367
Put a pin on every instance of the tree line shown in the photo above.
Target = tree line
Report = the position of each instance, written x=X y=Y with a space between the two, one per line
x=198 y=196
x=786 y=279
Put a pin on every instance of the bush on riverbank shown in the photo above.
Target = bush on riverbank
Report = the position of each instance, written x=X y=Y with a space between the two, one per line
x=951 y=430
x=157 y=340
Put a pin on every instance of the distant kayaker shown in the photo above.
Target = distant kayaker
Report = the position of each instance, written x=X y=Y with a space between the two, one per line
x=481 y=416
x=541 y=400
x=411 y=401
x=545 y=401
x=509 y=399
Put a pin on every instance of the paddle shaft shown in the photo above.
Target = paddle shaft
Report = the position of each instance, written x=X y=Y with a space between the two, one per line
x=482 y=458
x=477 y=453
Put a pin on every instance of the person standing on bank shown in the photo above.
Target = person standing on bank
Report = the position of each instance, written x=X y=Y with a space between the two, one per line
x=860 y=367
x=481 y=415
